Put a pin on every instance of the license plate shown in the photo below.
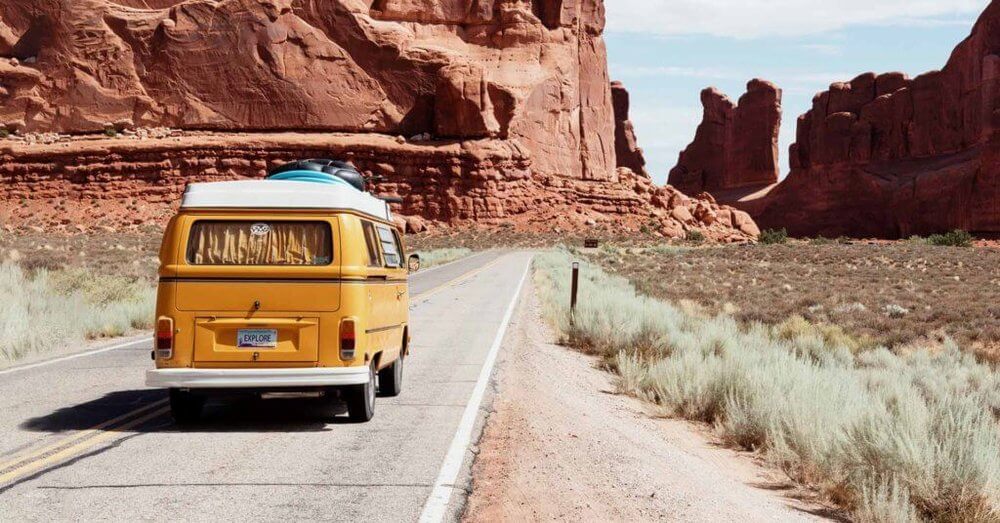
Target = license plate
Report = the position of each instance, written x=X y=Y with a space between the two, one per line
x=257 y=338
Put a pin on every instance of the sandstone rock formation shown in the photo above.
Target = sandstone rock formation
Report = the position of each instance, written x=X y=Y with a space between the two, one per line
x=888 y=156
x=736 y=146
x=455 y=68
x=627 y=148
x=508 y=104
x=111 y=183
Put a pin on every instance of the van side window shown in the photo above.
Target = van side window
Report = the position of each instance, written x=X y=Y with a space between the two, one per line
x=371 y=240
x=390 y=250
x=399 y=249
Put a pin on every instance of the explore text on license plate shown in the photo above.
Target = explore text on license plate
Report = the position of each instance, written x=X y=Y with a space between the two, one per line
x=257 y=338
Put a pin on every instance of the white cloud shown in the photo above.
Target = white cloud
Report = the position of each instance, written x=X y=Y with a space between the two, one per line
x=768 y=18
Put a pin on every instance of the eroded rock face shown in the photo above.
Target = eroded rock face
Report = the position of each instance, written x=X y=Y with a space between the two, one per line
x=887 y=156
x=736 y=145
x=627 y=148
x=129 y=182
x=473 y=111
x=455 y=69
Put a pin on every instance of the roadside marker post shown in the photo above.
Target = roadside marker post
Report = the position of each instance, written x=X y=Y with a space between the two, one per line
x=575 y=290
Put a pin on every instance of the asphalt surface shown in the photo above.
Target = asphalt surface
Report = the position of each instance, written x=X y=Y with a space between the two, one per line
x=84 y=439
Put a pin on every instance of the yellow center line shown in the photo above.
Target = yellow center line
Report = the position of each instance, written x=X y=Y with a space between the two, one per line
x=456 y=281
x=79 y=436
x=79 y=448
x=33 y=461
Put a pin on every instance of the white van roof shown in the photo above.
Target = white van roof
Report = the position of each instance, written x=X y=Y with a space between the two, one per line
x=275 y=194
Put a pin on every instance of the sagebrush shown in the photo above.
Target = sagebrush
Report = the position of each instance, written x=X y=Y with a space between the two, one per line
x=430 y=258
x=887 y=437
x=902 y=295
x=51 y=309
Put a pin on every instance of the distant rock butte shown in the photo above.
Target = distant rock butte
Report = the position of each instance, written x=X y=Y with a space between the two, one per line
x=736 y=145
x=891 y=157
x=474 y=111
x=627 y=148
x=888 y=156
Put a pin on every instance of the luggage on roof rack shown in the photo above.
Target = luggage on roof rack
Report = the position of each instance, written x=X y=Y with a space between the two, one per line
x=320 y=170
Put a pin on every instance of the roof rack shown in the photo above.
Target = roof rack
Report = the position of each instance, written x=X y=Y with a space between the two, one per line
x=306 y=184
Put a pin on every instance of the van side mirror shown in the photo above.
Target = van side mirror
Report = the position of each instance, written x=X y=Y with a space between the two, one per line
x=414 y=262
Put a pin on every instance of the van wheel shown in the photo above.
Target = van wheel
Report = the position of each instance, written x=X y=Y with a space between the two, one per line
x=390 y=379
x=361 y=399
x=185 y=407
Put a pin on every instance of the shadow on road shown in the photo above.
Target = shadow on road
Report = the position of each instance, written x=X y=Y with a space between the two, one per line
x=230 y=414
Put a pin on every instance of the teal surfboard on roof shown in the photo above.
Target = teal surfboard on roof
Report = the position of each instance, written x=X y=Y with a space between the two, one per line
x=322 y=171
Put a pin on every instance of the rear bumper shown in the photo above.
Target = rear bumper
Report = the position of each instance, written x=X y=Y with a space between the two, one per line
x=255 y=378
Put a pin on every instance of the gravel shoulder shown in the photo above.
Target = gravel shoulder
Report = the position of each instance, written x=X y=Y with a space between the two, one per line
x=560 y=445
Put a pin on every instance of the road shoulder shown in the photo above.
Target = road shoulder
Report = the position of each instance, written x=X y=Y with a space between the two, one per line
x=560 y=445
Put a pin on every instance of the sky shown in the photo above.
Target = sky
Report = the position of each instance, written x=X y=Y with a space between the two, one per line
x=667 y=51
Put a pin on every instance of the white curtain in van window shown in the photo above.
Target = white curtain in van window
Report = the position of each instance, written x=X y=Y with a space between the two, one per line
x=258 y=243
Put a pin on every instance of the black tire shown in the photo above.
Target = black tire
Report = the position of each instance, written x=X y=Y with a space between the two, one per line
x=361 y=399
x=186 y=407
x=390 y=379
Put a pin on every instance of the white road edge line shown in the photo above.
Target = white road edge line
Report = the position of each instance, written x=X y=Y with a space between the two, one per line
x=145 y=339
x=436 y=506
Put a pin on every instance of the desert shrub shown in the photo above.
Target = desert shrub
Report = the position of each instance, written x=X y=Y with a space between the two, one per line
x=889 y=437
x=773 y=237
x=110 y=132
x=667 y=249
x=4 y=133
x=956 y=238
x=51 y=309
x=695 y=236
x=895 y=311
x=821 y=240
x=441 y=256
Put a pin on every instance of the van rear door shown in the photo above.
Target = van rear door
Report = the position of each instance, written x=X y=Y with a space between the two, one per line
x=257 y=287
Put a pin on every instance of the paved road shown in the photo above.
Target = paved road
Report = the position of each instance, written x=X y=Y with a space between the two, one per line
x=84 y=439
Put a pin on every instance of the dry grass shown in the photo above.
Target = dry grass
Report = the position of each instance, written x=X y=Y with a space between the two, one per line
x=889 y=437
x=129 y=254
x=432 y=258
x=57 y=291
x=45 y=310
x=903 y=295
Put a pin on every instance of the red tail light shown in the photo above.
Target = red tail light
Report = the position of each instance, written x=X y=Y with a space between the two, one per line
x=165 y=338
x=348 y=337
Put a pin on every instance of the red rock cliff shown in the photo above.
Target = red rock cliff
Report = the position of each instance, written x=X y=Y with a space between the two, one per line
x=627 y=148
x=507 y=103
x=887 y=156
x=736 y=145
x=535 y=72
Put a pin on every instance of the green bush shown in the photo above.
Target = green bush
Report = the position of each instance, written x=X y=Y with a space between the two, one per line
x=110 y=132
x=774 y=236
x=695 y=236
x=956 y=238
x=891 y=437
x=4 y=133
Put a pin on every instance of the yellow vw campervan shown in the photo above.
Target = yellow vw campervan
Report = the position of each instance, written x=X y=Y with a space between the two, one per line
x=297 y=283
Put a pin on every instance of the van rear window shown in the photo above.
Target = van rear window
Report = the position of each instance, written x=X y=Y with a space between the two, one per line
x=252 y=243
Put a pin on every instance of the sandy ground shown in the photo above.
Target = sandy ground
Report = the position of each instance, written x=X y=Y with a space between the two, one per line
x=560 y=445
